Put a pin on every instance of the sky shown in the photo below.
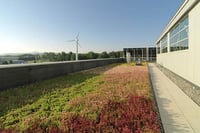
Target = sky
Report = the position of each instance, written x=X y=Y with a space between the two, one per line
x=103 y=25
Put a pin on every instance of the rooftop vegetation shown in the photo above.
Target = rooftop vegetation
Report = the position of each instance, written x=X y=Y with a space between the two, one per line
x=114 y=98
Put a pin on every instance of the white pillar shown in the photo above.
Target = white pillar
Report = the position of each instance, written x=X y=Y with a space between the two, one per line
x=142 y=54
x=147 y=54
x=160 y=47
x=128 y=57
x=168 y=42
x=77 y=52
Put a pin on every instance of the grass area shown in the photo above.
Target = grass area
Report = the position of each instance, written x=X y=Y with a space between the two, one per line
x=115 y=98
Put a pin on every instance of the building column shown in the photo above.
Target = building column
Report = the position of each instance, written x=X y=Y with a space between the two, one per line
x=142 y=54
x=147 y=54
x=160 y=48
x=168 y=42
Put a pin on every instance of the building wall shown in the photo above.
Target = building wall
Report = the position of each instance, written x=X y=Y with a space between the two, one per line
x=194 y=42
x=186 y=63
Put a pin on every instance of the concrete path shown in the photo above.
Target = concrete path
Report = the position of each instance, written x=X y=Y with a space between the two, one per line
x=179 y=114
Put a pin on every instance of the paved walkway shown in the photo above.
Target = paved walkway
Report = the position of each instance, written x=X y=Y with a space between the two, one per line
x=179 y=114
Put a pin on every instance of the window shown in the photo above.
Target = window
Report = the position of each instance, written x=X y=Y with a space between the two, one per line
x=158 y=48
x=164 y=44
x=179 y=36
x=152 y=54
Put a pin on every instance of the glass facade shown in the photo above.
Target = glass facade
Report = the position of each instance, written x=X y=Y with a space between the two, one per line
x=179 y=36
x=145 y=54
x=164 y=44
x=152 y=54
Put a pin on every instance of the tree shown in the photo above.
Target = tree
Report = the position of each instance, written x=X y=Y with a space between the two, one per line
x=116 y=54
x=50 y=56
x=112 y=54
x=92 y=55
x=71 y=56
x=82 y=56
x=10 y=61
x=103 y=55
x=5 y=62
x=27 y=57
x=63 y=56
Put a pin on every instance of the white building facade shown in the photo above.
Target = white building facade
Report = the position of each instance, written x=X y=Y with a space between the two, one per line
x=178 y=47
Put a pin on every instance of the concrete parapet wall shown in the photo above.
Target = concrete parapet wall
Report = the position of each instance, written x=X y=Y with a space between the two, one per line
x=16 y=75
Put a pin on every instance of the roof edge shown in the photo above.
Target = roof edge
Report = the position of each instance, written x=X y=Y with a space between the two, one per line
x=182 y=11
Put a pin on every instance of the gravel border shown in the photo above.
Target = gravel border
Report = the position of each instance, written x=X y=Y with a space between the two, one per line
x=190 y=89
